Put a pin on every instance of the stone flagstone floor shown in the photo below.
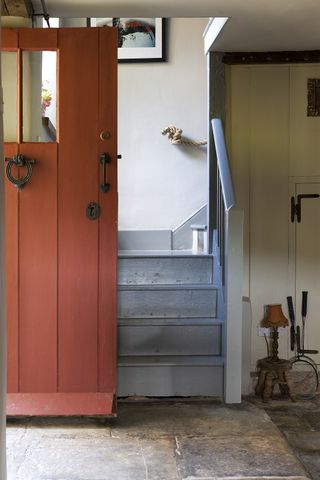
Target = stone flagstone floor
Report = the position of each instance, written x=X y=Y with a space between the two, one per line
x=300 y=424
x=179 y=440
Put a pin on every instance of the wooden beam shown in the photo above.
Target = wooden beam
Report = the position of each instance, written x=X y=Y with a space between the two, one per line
x=15 y=8
x=4 y=11
x=249 y=58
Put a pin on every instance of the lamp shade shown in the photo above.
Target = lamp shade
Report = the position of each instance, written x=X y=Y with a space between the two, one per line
x=274 y=317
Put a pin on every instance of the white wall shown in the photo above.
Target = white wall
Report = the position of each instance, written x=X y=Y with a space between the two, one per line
x=160 y=185
x=272 y=142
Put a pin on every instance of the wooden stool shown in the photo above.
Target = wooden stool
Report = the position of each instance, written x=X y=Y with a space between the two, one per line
x=273 y=373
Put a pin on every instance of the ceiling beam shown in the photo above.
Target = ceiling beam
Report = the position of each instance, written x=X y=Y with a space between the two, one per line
x=15 y=8
x=251 y=58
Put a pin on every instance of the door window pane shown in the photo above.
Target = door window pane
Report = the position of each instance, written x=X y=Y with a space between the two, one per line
x=9 y=67
x=39 y=99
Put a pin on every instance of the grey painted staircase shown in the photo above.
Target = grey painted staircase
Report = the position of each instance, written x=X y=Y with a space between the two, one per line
x=169 y=337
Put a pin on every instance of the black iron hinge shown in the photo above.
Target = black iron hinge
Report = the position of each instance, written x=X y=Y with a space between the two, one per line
x=296 y=207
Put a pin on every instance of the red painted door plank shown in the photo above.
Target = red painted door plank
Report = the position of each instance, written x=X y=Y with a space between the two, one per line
x=12 y=287
x=78 y=185
x=108 y=224
x=38 y=271
x=57 y=404
x=38 y=39
x=9 y=39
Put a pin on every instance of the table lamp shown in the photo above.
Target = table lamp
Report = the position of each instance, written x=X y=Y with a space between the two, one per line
x=274 y=319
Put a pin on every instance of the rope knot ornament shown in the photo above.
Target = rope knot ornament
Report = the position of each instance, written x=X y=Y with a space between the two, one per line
x=174 y=134
x=175 y=137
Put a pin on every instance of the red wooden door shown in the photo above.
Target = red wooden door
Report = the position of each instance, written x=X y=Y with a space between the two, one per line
x=61 y=264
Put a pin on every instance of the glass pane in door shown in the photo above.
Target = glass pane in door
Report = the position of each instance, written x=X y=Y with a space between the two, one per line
x=9 y=67
x=39 y=98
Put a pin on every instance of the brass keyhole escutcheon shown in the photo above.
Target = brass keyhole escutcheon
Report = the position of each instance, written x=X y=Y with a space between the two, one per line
x=105 y=135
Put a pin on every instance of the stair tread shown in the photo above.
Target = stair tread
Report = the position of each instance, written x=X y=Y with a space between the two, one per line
x=161 y=254
x=169 y=286
x=170 y=360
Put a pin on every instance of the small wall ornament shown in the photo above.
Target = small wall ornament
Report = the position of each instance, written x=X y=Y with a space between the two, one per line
x=175 y=137
x=313 y=109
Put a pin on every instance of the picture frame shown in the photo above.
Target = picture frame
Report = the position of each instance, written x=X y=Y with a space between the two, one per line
x=139 y=39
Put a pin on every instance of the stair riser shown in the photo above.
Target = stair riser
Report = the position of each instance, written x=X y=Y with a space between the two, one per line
x=163 y=271
x=170 y=381
x=169 y=340
x=166 y=303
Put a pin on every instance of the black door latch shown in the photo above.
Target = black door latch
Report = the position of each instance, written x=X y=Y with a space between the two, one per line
x=296 y=207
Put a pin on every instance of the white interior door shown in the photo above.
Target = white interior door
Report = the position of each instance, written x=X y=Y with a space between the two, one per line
x=307 y=263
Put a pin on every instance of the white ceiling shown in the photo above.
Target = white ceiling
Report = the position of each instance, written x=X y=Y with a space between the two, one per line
x=255 y=25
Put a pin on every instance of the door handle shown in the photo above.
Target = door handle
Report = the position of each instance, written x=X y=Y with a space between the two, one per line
x=296 y=207
x=19 y=161
x=105 y=159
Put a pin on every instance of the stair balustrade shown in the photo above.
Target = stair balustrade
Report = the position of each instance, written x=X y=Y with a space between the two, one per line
x=228 y=249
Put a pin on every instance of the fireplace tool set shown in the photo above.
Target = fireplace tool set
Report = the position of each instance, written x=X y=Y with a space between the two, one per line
x=305 y=371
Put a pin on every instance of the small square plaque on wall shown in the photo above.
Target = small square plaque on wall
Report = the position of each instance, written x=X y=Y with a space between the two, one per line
x=313 y=97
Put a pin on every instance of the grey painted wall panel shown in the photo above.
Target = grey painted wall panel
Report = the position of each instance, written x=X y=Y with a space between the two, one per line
x=164 y=270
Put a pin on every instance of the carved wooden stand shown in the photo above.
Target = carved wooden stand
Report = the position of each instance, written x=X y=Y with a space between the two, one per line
x=273 y=373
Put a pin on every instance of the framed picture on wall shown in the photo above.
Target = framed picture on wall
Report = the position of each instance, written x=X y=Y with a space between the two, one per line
x=139 y=39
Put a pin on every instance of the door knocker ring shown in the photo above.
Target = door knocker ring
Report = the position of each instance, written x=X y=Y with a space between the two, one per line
x=19 y=161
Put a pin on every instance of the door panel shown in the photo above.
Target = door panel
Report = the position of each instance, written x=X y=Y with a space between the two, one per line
x=61 y=265
x=38 y=271
x=78 y=308
x=108 y=232
x=12 y=276
x=308 y=264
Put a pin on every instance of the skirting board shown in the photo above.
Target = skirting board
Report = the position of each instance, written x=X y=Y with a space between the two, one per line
x=178 y=239
x=145 y=240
